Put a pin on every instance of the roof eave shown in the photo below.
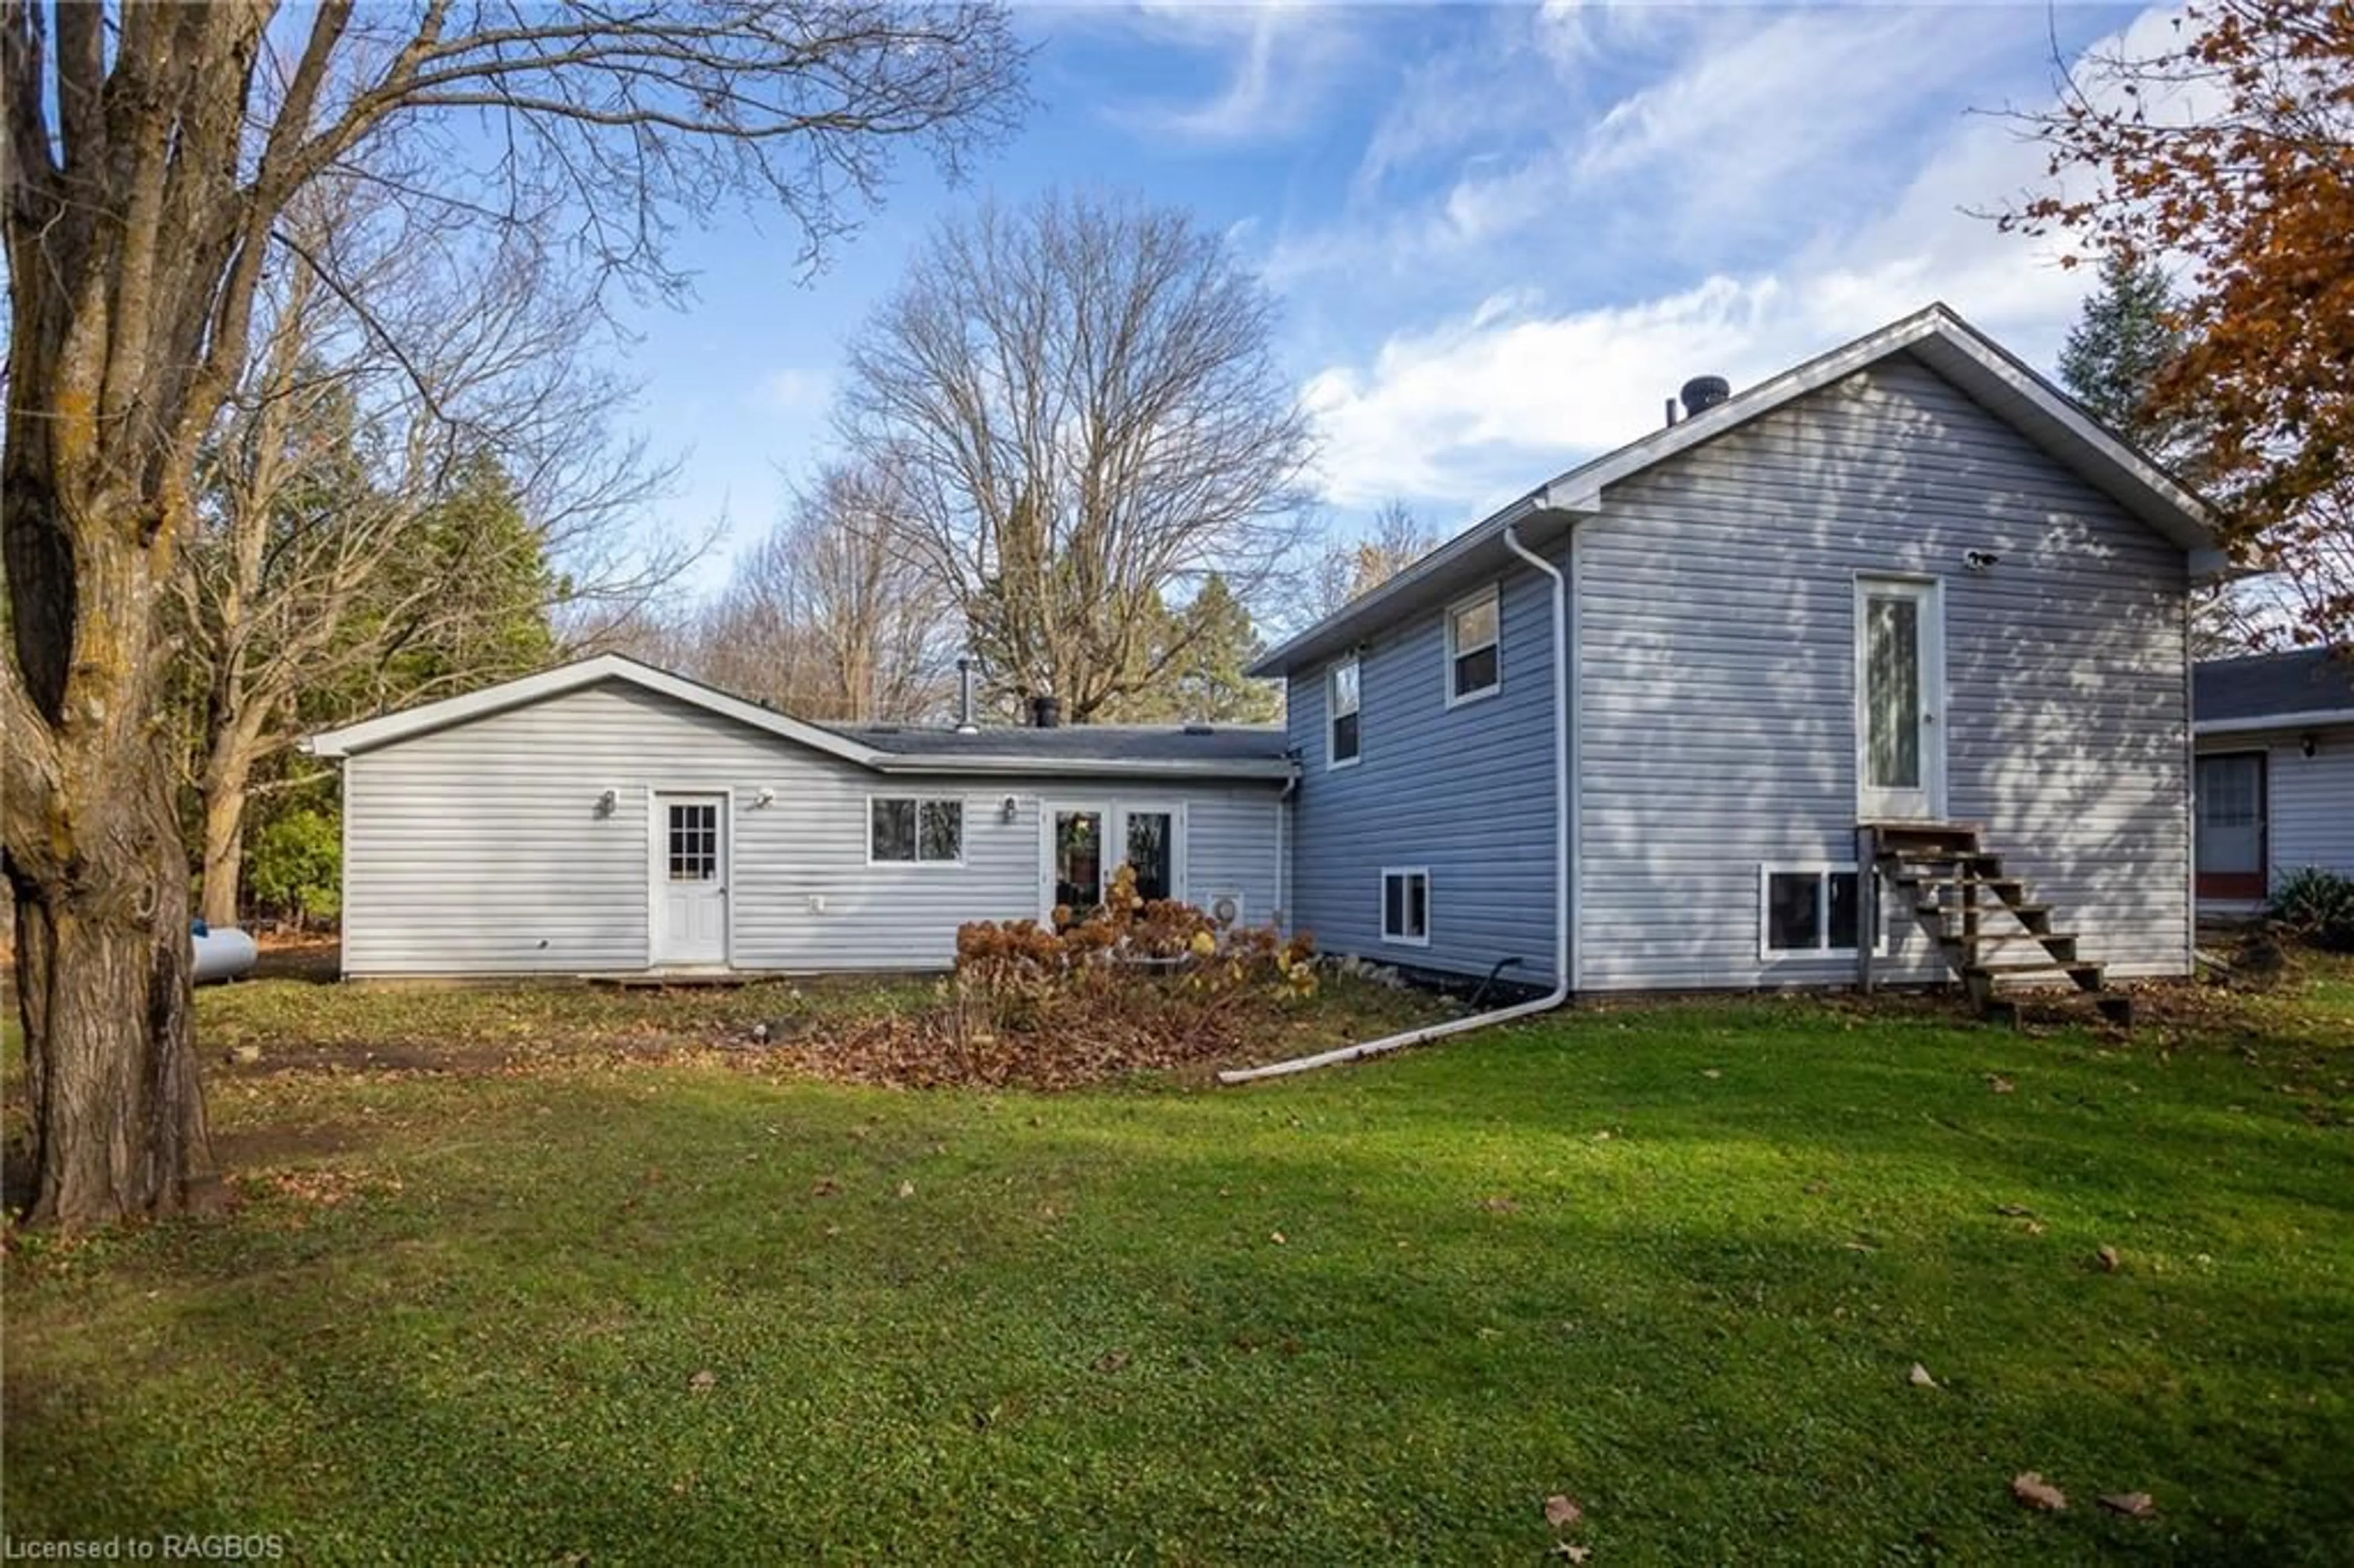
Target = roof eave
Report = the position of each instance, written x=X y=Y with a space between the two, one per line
x=1274 y=769
x=2310 y=719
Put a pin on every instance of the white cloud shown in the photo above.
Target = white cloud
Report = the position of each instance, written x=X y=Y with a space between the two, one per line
x=1279 y=55
x=1507 y=387
x=794 y=390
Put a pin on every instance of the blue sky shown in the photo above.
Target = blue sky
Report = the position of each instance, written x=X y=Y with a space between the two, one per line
x=1501 y=236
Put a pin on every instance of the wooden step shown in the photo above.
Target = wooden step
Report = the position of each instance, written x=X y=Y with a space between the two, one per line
x=2053 y=942
x=2032 y=915
x=2016 y=884
x=1896 y=835
x=2086 y=976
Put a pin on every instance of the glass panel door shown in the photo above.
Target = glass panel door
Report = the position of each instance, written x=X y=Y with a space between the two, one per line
x=1078 y=869
x=1150 y=847
x=1899 y=664
x=2230 y=826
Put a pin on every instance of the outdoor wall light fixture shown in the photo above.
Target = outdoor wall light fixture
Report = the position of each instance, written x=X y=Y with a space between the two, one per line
x=1980 y=560
x=607 y=801
x=767 y=797
x=1011 y=809
x=2309 y=743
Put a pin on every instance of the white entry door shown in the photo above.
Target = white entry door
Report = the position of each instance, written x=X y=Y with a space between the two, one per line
x=690 y=879
x=1900 y=678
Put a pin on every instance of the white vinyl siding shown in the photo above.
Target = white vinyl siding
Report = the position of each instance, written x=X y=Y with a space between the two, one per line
x=481 y=849
x=1716 y=682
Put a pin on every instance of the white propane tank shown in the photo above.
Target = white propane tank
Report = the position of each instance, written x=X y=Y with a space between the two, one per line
x=224 y=954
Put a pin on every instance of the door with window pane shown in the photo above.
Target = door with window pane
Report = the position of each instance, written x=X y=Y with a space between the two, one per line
x=690 y=879
x=1148 y=843
x=1075 y=868
x=1899 y=672
x=2230 y=827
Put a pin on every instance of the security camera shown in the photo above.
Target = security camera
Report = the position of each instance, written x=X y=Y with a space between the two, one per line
x=1980 y=560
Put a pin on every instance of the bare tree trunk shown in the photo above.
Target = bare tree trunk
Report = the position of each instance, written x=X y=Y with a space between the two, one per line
x=226 y=788
x=118 y=1119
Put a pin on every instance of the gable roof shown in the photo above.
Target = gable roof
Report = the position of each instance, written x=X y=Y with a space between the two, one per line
x=2270 y=691
x=1232 y=751
x=1997 y=380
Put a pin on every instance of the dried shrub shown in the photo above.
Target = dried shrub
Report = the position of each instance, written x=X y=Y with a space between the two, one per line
x=1132 y=985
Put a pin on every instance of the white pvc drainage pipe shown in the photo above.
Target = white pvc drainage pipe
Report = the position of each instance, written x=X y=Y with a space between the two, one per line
x=1560 y=992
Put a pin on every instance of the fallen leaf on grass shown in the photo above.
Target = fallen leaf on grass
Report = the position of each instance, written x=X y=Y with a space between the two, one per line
x=2108 y=1259
x=1111 y=1360
x=1919 y=1377
x=2033 y=1492
x=1276 y=1237
x=1572 y=1550
x=1711 y=1072
x=2014 y=1211
x=1999 y=1083
x=824 y=1187
x=907 y=1189
x=2133 y=1505
x=1499 y=1205
x=1561 y=1511
x=703 y=1382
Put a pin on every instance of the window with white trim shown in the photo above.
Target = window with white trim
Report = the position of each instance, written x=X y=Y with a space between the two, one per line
x=1405 y=907
x=1475 y=654
x=1341 y=695
x=1811 y=911
x=912 y=830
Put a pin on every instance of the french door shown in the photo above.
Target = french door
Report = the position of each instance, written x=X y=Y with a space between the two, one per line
x=1086 y=842
x=1900 y=677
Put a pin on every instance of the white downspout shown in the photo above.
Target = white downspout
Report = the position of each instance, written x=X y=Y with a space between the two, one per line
x=1561 y=826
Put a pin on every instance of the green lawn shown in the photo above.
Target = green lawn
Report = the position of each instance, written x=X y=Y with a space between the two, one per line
x=1673 y=1262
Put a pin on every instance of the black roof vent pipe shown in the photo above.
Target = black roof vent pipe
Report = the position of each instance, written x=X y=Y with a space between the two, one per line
x=1704 y=392
x=968 y=721
x=1046 y=712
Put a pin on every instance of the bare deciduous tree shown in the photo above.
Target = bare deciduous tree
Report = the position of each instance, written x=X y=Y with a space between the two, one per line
x=1350 y=568
x=1081 y=407
x=826 y=619
x=333 y=545
x=150 y=153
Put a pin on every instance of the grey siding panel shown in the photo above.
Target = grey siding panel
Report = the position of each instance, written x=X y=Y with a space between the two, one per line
x=2312 y=809
x=478 y=849
x=1466 y=791
x=1716 y=686
x=2309 y=814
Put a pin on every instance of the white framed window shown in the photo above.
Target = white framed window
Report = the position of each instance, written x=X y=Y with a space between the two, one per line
x=1406 y=905
x=1475 y=649
x=914 y=830
x=1343 y=693
x=1811 y=911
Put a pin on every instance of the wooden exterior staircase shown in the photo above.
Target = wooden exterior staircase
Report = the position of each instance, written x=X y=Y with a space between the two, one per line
x=1987 y=925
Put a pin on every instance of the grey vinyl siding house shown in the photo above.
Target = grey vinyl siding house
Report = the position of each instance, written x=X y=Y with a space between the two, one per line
x=2275 y=773
x=1867 y=674
x=608 y=818
x=1732 y=714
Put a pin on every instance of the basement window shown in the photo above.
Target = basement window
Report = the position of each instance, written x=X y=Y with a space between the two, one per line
x=1474 y=653
x=914 y=831
x=1405 y=907
x=1811 y=911
x=1341 y=695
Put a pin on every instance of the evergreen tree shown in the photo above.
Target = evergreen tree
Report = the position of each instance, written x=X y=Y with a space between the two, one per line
x=2120 y=344
x=1201 y=651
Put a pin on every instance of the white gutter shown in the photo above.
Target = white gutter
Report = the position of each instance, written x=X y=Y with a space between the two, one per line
x=1561 y=826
